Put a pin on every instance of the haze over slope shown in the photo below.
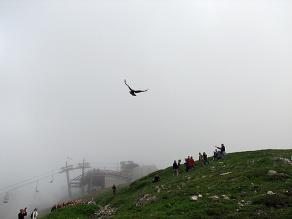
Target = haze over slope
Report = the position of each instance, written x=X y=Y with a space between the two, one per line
x=243 y=185
x=218 y=72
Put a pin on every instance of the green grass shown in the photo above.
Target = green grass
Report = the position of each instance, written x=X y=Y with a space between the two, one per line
x=246 y=188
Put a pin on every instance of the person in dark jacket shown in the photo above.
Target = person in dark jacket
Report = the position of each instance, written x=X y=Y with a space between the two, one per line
x=54 y=208
x=175 y=168
x=205 y=158
x=114 y=188
x=22 y=213
x=222 y=150
x=201 y=159
x=156 y=179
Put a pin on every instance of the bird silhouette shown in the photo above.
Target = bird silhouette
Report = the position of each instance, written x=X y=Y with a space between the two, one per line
x=134 y=92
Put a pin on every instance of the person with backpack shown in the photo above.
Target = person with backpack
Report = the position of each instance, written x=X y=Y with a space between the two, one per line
x=34 y=214
x=156 y=179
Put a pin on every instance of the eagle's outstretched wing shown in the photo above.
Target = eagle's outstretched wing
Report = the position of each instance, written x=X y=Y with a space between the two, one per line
x=128 y=85
x=140 y=91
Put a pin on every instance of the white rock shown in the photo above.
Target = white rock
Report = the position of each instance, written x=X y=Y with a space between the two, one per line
x=225 y=197
x=271 y=193
x=286 y=160
x=272 y=173
x=240 y=204
x=214 y=197
x=223 y=174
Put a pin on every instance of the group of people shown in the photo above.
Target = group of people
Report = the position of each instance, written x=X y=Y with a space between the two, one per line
x=23 y=212
x=176 y=167
x=219 y=152
x=189 y=163
x=203 y=159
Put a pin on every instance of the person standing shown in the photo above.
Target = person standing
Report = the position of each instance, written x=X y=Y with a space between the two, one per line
x=187 y=163
x=215 y=155
x=175 y=168
x=22 y=213
x=179 y=163
x=222 y=150
x=201 y=159
x=205 y=158
x=114 y=188
x=35 y=214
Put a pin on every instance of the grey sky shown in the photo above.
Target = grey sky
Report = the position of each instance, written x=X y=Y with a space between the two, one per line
x=218 y=72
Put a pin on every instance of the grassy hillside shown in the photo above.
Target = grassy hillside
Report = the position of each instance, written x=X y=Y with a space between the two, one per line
x=240 y=186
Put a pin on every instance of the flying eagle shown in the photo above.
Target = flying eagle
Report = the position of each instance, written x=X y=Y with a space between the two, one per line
x=134 y=92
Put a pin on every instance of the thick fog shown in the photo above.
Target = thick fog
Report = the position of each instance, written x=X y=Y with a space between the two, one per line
x=217 y=71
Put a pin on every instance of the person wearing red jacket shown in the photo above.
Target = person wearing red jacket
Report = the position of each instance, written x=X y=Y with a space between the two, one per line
x=192 y=162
